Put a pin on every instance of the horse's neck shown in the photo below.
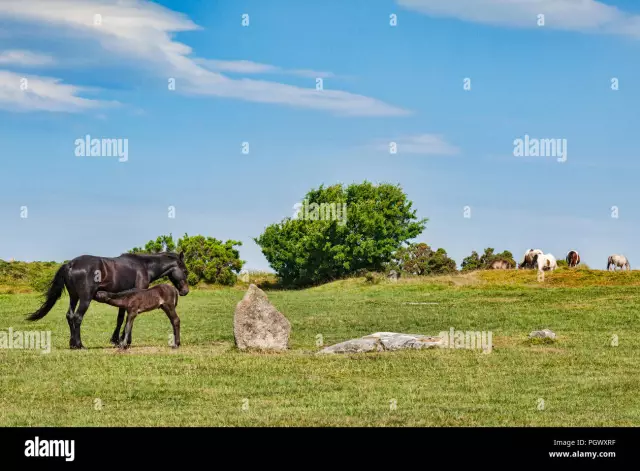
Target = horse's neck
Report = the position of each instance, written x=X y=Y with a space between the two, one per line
x=157 y=269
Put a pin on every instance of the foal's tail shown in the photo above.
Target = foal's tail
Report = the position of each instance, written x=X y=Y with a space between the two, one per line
x=54 y=291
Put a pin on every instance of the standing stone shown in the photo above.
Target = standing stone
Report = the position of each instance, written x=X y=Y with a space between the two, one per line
x=393 y=276
x=258 y=324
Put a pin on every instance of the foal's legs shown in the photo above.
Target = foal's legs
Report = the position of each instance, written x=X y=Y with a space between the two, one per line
x=171 y=313
x=130 y=332
x=126 y=340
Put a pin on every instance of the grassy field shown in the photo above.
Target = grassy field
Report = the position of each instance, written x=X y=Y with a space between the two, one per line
x=582 y=379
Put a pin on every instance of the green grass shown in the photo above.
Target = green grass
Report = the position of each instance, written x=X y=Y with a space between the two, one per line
x=582 y=378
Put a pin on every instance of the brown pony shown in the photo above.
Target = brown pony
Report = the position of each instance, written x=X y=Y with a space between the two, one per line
x=573 y=258
x=500 y=265
x=136 y=301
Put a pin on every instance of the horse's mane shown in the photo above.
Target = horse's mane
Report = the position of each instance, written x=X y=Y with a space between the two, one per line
x=152 y=255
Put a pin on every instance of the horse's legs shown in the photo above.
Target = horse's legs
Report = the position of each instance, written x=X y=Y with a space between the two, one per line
x=175 y=323
x=75 y=320
x=115 y=338
x=73 y=302
x=126 y=340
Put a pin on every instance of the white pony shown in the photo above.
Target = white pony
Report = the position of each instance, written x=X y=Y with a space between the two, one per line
x=619 y=261
x=545 y=262
x=528 y=259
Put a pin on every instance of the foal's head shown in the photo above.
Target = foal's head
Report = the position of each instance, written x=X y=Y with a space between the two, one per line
x=178 y=275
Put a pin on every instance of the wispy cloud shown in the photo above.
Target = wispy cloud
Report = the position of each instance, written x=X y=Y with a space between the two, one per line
x=29 y=93
x=25 y=58
x=143 y=30
x=589 y=16
x=421 y=144
x=248 y=67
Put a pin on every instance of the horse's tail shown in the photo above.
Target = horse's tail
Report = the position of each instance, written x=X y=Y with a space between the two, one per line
x=54 y=291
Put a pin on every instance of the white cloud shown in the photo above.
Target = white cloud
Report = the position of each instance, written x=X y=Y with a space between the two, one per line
x=25 y=93
x=238 y=67
x=25 y=58
x=144 y=30
x=588 y=16
x=421 y=144
x=249 y=67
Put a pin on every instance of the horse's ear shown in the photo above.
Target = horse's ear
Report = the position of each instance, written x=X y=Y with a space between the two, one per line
x=182 y=256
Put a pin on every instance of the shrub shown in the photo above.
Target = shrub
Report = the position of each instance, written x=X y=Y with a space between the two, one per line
x=476 y=262
x=420 y=259
x=207 y=259
x=372 y=277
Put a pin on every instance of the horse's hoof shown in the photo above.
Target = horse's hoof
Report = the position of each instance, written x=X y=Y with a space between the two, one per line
x=123 y=346
x=77 y=347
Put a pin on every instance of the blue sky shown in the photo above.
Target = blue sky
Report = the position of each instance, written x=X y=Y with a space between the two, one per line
x=256 y=84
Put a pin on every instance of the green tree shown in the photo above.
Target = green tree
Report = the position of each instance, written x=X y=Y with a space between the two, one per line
x=311 y=249
x=420 y=259
x=210 y=259
x=472 y=262
x=477 y=262
x=162 y=244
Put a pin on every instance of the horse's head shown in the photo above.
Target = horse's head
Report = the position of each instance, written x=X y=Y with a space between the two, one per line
x=178 y=275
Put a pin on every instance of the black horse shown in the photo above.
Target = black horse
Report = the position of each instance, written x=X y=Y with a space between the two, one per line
x=84 y=276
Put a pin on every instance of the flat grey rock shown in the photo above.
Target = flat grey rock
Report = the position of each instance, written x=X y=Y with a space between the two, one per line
x=542 y=334
x=384 y=342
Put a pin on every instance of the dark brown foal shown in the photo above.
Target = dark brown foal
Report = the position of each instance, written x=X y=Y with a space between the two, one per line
x=136 y=301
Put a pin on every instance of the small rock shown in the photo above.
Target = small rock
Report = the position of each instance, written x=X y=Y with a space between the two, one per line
x=258 y=324
x=542 y=334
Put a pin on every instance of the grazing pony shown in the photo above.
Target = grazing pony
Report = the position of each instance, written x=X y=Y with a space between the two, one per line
x=528 y=259
x=137 y=301
x=573 y=258
x=499 y=265
x=619 y=261
x=545 y=262
x=84 y=276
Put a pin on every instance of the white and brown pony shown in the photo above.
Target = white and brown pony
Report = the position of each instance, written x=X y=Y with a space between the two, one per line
x=618 y=261
x=545 y=262
x=573 y=258
x=528 y=259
